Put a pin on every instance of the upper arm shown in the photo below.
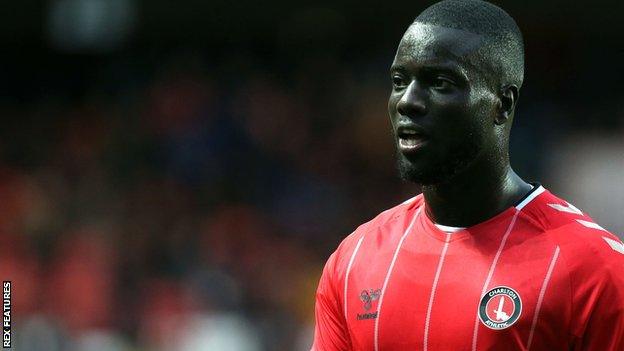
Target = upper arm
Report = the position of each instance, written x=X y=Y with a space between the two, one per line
x=604 y=329
x=600 y=305
x=330 y=331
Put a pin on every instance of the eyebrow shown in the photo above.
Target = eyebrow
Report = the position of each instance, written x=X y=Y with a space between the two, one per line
x=457 y=70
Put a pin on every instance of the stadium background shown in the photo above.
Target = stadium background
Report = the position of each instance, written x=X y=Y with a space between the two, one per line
x=173 y=176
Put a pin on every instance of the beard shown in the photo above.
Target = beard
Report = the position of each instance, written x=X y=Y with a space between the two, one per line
x=438 y=169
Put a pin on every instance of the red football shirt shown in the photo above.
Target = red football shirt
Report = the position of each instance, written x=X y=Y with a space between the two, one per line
x=539 y=276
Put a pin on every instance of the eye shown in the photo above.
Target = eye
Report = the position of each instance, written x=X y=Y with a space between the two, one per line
x=442 y=83
x=398 y=82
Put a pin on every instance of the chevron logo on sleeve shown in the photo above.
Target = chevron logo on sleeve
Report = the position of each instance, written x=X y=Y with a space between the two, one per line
x=566 y=208
x=615 y=245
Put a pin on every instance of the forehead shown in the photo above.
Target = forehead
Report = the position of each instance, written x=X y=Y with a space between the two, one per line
x=425 y=42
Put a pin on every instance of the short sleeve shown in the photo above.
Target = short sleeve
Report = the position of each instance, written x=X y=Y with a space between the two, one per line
x=602 y=310
x=330 y=331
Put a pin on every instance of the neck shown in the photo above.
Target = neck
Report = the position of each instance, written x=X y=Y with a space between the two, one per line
x=479 y=193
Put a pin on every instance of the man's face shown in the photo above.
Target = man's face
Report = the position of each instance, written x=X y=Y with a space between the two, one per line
x=441 y=107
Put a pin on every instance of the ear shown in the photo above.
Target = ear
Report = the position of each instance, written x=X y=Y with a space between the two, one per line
x=508 y=98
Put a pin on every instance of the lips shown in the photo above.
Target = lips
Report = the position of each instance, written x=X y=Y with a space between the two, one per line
x=410 y=138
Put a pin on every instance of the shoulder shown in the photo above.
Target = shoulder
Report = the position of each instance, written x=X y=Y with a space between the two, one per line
x=591 y=253
x=572 y=228
x=593 y=261
x=384 y=220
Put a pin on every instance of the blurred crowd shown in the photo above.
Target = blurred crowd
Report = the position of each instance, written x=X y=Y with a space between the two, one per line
x=185 y=203
x=183 y=206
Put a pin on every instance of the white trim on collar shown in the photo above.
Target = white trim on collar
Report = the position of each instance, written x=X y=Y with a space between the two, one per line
x=535 y=193
x=448 y=229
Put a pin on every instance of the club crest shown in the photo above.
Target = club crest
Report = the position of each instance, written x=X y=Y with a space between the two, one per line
x=500 y=308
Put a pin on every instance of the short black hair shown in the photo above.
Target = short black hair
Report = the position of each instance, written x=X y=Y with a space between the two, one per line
x=504 y=48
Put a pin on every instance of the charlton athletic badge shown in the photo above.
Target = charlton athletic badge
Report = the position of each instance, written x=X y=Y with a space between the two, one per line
x=500 y=308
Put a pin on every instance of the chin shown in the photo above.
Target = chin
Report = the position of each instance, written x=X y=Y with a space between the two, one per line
x=433 y=171
x=417 y=173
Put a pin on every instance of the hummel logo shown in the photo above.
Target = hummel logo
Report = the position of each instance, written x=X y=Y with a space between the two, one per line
x=369 y=296
x=569 y=208
x=615 y=245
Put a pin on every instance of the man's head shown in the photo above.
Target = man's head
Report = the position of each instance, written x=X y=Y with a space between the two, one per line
x=455 y=82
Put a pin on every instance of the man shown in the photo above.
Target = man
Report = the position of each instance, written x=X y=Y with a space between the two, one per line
x=482 y=260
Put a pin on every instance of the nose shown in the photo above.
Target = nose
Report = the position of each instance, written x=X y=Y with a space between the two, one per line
x=412 y=103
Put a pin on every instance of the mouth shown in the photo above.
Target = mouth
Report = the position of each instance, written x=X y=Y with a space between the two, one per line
x=410 y=139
